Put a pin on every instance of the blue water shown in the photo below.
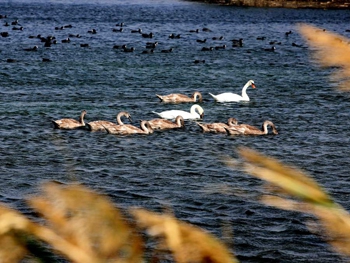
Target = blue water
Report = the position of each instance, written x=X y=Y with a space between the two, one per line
x=182 y=169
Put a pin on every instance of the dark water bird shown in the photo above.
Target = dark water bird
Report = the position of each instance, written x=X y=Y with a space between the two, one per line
x=217 y=38
x=271 y=49
x=46 y=60
x=201 y=40
x=173 y=36
x=275 y=43
x=167 y=50
x=152 y=44
x=68 y=26
x=163 y=124
x=260 y=38
x=3 y=16
x=66 y=40
x=11 y=60
x=15 y=22
x=119 y=46
x=150 y=35
x=70 y=124
x=136 y=31
x=220 y=47
x=194 y=31
x=251 y=130
x=288 y=33
x=205 y=29
x=92 y=31
x=207 y=49
x=6 y=24
x=217 y=127
x=180 y=98
x=18 y=28
x=237 y=42
x=59 y=28
x=74 y=35
x=118 y=30
x=196 y=61
x=35 y=48
x=126 y=129
x=102 y=125
x=296 y=45
x=84 y=45
x=125 y=49
x=4 y=34
x=150 y=51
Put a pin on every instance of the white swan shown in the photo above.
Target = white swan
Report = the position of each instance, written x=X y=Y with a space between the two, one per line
x=192 y=115
x=228 y=96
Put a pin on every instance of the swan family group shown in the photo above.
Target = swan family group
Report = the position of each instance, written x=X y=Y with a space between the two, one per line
x=173 y=119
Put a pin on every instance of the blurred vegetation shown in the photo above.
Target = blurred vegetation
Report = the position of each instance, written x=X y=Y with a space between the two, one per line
x=85 y=227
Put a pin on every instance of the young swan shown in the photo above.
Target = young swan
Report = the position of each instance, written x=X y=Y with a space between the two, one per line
x=101 y=125
x=179 y=98
x=218 y=127
x=251 y=130
x=192 y=115
x=70 y=124
x=163 y=124
x=145 y=128
x=230 y=97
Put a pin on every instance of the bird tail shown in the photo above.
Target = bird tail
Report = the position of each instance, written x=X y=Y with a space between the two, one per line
x=212 y=95
x=160 y=97
x=156 y=113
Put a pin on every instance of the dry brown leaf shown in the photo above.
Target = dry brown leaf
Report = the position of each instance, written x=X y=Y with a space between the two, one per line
x=331 y=50
x=89 y=221
x=187 y=243
x=291 y=180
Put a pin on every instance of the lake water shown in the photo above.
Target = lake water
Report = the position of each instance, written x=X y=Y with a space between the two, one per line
x=182 y=169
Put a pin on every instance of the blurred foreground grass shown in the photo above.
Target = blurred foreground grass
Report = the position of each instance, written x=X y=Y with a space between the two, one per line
x=85 y=227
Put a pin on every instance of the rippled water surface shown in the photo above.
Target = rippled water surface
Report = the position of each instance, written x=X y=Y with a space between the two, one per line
x=182 y=169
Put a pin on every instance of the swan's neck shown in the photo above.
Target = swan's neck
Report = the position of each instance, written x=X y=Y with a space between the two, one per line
x=146 y=128
x=244 y=91
x=81 y=119
x=119 y=119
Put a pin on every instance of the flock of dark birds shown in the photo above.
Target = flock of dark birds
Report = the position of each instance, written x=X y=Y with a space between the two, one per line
x=150 y=46
x=172 y=119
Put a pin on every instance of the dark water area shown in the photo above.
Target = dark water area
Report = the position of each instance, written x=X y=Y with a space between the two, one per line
x=182 y=169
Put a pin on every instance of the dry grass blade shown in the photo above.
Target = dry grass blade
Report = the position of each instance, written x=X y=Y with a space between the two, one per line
x=292 y=181
x=187 y=243
x=11 y=250
x=335 y=221
x=89 y=222
x=332 y=50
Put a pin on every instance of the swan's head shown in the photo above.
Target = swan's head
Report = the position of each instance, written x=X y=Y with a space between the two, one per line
x=199 y=95
x=180 y=121
x=232 y=121
x=251 y=83
x=199 y=109
x=273 y=127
